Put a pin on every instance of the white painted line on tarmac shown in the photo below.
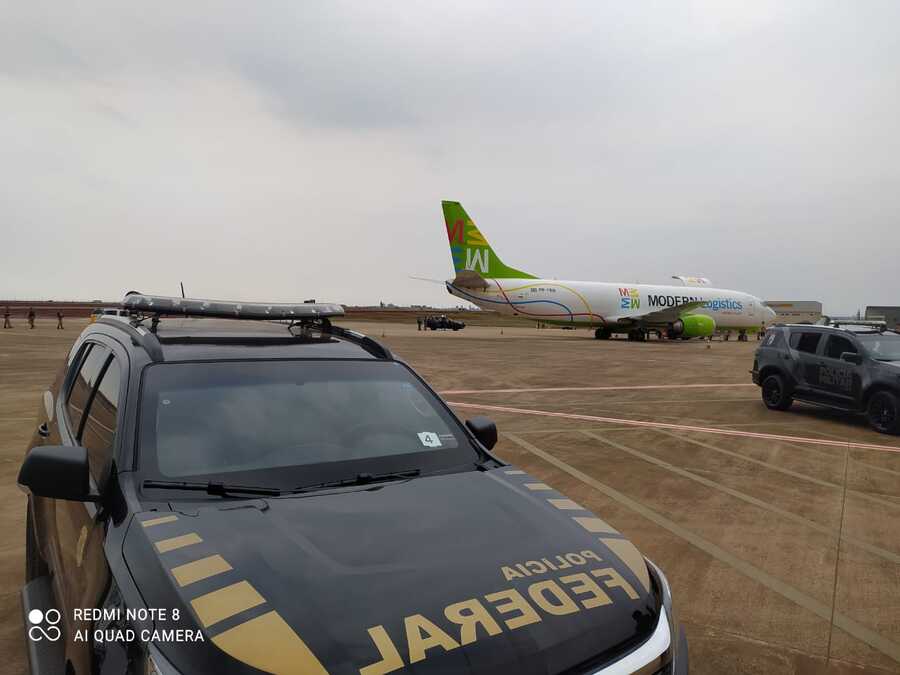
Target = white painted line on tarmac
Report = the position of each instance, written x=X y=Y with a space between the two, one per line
x=449 y=392
x=757 y=574
x=743 y=496
x=678 y=427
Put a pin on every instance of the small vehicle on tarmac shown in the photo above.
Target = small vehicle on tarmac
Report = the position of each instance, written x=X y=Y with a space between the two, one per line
x=107 y=311
x=272 y=493
x=443 y=322
x=849 y=365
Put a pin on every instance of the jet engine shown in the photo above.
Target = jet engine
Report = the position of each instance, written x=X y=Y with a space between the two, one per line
x=692 y=325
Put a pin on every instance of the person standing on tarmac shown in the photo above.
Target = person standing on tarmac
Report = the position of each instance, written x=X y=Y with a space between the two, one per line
x=59 y=318
x=31 y=316
x=418 y=323
x=6 y=321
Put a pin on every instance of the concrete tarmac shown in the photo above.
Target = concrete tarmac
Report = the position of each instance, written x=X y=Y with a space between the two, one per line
x=780 y=537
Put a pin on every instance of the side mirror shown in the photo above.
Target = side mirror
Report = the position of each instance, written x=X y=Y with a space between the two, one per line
x=58 y=472
x=851 y=357
x=484 y=430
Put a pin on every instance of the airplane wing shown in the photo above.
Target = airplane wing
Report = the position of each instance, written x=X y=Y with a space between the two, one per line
x=660 y=317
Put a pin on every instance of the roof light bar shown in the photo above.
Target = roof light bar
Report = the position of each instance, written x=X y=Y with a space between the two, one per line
x=162 y=305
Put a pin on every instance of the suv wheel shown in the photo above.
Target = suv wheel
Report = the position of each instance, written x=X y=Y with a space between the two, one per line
x=883 y=412
x=774 y=393
x=34 y=564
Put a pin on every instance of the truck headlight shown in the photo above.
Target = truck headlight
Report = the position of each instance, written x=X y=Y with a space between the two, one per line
x=663 y=583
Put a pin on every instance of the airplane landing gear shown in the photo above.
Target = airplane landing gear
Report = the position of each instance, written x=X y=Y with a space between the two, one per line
x=742 y=336
x=637 y=335
x=603 y=333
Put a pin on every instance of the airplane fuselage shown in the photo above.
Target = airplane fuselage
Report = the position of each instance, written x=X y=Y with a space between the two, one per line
x=612 y=305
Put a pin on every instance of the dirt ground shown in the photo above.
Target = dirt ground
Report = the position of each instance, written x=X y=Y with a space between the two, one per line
x=779 y=532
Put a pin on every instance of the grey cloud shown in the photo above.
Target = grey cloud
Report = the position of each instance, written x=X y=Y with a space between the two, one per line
x=277 y=149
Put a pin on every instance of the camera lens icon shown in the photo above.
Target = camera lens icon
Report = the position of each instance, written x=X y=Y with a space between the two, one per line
x=43 y=625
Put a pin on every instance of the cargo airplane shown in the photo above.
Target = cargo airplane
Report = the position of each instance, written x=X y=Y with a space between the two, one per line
x=692 y=309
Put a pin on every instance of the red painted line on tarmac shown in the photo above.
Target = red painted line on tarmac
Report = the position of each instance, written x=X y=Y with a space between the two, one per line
x=624 y=388
x=680 y=427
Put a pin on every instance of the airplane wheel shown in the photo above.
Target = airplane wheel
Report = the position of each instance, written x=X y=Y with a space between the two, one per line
x=602 y=334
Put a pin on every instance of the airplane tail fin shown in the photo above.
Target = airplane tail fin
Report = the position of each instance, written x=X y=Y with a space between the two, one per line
x=471 y=251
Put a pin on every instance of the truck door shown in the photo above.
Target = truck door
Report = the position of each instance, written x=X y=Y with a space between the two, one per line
x=804 y=345
x=838 y=380
x=90 y=420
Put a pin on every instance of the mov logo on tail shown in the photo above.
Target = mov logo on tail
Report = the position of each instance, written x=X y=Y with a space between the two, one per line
x=470 y=250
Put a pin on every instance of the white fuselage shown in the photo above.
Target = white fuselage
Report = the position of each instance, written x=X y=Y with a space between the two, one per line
x=598 y=303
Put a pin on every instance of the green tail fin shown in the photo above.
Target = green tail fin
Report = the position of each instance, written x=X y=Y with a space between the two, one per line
x=470 y=250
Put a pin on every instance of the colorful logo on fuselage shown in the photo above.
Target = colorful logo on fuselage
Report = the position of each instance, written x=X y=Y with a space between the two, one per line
x=629 y=298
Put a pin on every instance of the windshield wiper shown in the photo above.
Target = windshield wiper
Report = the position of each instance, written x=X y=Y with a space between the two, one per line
x=361 y=479
x=213 y=488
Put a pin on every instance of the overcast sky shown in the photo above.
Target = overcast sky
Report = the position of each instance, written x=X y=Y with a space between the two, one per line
x=286 y=150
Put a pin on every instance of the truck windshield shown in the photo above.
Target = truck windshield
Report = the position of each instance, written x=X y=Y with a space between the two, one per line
x=882 y=346
x=290 y=423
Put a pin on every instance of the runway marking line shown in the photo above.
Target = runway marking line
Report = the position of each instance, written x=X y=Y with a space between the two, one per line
x=787 y=515
x=757 y=574
x=450 y=392
x=678 y=427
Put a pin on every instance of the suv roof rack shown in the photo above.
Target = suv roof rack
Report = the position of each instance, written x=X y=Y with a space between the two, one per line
x=163 y=305
x=371 y=345
x=860 y=325
x=307 y=314
x=140 y=336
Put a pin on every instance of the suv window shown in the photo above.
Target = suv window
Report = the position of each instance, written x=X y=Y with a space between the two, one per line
x=837 y=345
x=805 y=342
x=79 y=395
x=293 y=422
x=100 y=425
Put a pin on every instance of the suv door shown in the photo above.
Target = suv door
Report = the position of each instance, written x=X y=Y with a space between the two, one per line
x=91 y=420
x=838 y=381
x=803 y=347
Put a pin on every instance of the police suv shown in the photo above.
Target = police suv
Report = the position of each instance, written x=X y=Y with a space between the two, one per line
x=851 y=365
x=275 y=494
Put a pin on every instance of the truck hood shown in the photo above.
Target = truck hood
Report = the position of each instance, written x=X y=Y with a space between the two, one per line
x=477 y=572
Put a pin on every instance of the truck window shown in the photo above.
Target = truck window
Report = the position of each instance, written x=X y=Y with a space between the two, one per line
x=100 y=425
x=837 y=345
x=805 y=342
x=88 y=373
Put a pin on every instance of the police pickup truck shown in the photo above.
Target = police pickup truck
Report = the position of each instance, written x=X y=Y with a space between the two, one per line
x=256 y=496
x=852 y=366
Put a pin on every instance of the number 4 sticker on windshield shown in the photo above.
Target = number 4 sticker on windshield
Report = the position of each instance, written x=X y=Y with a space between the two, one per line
x=430 y=439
